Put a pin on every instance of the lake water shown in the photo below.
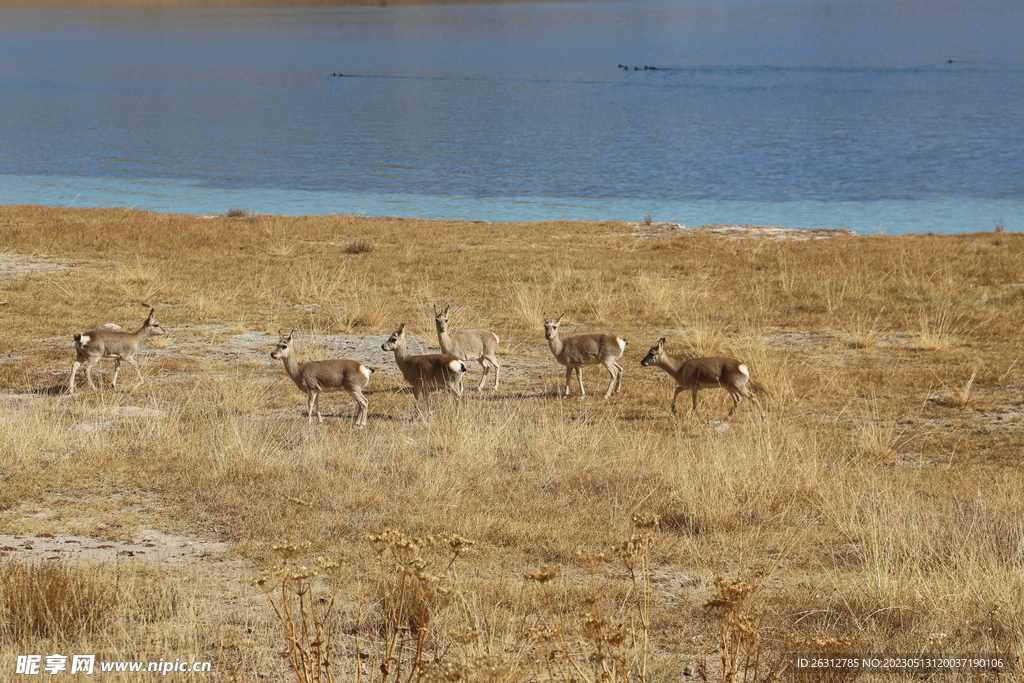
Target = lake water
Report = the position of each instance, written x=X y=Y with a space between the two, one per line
x=892 y=116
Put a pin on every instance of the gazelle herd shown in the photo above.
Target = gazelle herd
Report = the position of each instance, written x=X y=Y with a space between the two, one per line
x=443 y=370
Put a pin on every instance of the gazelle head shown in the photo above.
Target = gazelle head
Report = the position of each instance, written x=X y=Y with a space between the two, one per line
x=551 y=327
x=152 y=324
x=441 y=318
x=654 y=354
x=397 y=336
x=284 y=346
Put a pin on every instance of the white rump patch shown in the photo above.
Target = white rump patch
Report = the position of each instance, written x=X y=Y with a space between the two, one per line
x=496 y=338
x=622 y=343
x=743 y=368
x=456 y=366
x=365 y=371
x=84 y=340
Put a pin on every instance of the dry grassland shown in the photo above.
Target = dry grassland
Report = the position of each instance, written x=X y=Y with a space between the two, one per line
x=878 y=508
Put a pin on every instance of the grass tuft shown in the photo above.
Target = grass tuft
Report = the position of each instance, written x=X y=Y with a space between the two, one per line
x=54 y=600
x=359 y=247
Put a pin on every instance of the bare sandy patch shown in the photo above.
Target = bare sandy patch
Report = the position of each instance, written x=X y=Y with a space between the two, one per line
x=150 y=545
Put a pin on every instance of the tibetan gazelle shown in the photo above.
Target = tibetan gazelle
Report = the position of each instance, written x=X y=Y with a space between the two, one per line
x=703 y=373
x=423 y=373
x=94 y=345
x=478 y=345
x=318 y=376
x=591 y=348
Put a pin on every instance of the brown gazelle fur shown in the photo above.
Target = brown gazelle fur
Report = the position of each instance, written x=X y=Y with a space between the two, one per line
x=94 y=345
x=591 y=348
x=423 y=373
x=316 y=377
x=704 y=373
x=479 y=345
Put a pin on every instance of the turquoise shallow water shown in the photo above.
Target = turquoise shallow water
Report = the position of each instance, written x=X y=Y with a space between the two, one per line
x=888 y=216
x=894 y=116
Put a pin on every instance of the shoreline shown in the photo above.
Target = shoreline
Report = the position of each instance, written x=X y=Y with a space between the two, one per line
x=923 y=216
x=764 y=231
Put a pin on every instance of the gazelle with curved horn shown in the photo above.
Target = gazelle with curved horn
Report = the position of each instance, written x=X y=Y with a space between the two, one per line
x=319 y=376
x=479 y=345
x=703 y=373
x=426 y=372
x=94 y=345
x=591 y=348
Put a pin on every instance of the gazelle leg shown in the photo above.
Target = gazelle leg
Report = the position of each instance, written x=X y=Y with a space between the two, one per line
x=483 y=378
x=117 y=369
x=312 y=403
x=321 y=417
x=736 y=398
x=88 y=372
x=137 y=371
x=497 y=369
x=610 y=367
x=74 y=371
x=747 y=393
x=579 y=376
x=568 y=380
x=618 y=381
x=361 y=409
x=695 y=411
x=674 y=397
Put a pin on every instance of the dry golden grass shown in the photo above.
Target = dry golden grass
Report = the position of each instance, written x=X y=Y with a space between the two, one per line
x=54 y=599
x=863 y=511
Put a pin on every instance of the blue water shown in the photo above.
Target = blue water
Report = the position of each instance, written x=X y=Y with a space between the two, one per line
x=888 y=116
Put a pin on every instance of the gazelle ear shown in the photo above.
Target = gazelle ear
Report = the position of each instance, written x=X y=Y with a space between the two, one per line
x=401 y=330
x=661 y=342
x=559 y=321
x=151 y=316
x=447 y=306
x=291 y=334
x=435 y=310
